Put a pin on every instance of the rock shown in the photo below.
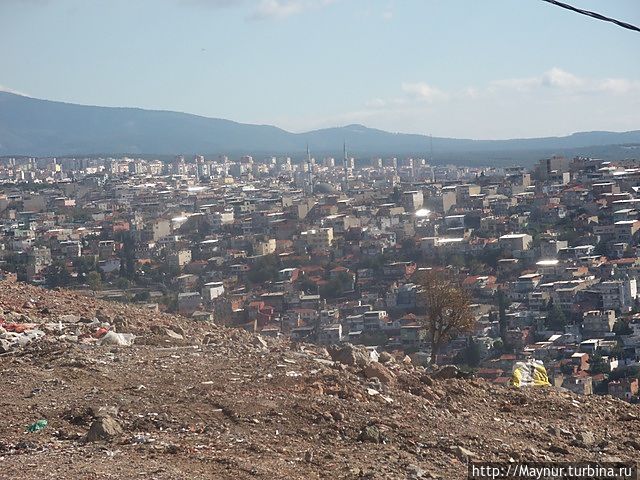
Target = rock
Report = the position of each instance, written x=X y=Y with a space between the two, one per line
x=633 y=444
x=259 y=342
x=379 y=371
x=628 y=417
x=427 y=380
x=173 y=335
x=209 y=337
x=104 y=411
x=463 y=454
x=308 y=456
x=611 y=459
x=554 y=448
x=371 y=434
x=386 y=357
x=348 y=354
x=172 y=448
x=103 y=428
x=406 y=360
x=446 y=372
x=5 y=346
x=585 y=439
x=178 y=329
x=420 y=358
x=337 y=416
x=121 y=323
x=69 y=318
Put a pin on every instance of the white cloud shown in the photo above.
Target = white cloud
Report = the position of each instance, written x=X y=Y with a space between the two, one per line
x=265 y=9
x=423 y=91
x=566 y=82
x=554 y=102
x=619 y=86
x=278 y=9
x=557 y=77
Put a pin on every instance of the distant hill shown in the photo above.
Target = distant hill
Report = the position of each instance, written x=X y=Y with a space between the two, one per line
x=30 y=126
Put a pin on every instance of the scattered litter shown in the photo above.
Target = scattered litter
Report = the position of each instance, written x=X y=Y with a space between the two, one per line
x=37 y=426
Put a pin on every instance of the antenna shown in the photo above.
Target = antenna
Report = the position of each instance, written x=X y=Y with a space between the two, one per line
x=345 y=163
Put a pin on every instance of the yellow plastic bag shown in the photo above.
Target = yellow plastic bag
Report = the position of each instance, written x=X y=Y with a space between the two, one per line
x=529 y=373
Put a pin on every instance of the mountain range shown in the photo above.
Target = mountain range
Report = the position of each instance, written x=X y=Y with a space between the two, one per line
x=35 y=127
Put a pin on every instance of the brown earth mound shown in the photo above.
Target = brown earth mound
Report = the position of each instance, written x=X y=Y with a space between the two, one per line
x=191 y=400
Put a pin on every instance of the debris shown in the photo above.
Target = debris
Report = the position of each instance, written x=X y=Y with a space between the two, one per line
x=119 y=339
x=37 y=426
x=530 y=373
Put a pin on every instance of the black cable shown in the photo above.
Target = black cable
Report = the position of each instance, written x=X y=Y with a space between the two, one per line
x=594 y=15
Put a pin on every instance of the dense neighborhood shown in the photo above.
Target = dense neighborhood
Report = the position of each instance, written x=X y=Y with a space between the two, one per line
x=330 y=251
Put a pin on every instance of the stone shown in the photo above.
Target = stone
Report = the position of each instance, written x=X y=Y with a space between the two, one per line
x=427 y=380
x=103 y=428
x=337 y=416
x=554 y=448
x=370 y=434
x=628 y=417
x=446 y=372
x=586 y=439
x=171 y=334
x=348 y=354
x=379 y=371
x=5 y=346
x=386 y=357
x=463 y=454
x=420 y=358
x=178 y=329
x=259 y=342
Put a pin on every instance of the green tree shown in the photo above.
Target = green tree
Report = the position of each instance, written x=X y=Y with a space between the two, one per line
x=598 y=365
x=123 y=283
x=94 y=280
x=128 y=256
x=471 y=355
x=622 y=328
x=265 y=269
x=556 y=319
x=57 y=275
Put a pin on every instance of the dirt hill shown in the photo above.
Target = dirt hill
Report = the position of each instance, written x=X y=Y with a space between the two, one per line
x=192 y=400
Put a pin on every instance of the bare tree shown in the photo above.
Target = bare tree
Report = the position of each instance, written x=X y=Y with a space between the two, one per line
x=446 y=308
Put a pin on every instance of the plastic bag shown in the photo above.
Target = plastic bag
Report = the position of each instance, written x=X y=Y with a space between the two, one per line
x=37 y=426
x=121 y=339
x=529 y=373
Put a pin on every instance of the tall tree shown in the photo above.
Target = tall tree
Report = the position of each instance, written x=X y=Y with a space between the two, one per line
x=446 y=308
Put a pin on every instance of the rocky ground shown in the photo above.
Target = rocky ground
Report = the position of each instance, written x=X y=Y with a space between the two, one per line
x=191 y=400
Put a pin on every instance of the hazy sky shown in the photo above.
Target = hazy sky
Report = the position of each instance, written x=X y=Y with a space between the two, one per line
x=463 y=68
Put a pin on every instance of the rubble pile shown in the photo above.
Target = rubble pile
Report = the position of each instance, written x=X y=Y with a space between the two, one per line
x=209 y=402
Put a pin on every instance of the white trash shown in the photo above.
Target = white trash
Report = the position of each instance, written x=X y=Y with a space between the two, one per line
x=121 y=339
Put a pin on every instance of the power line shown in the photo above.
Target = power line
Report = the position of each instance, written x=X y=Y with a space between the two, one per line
x=593 y=15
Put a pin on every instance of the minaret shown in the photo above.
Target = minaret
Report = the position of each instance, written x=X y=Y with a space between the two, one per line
x=346 y=168
x=309 y=170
